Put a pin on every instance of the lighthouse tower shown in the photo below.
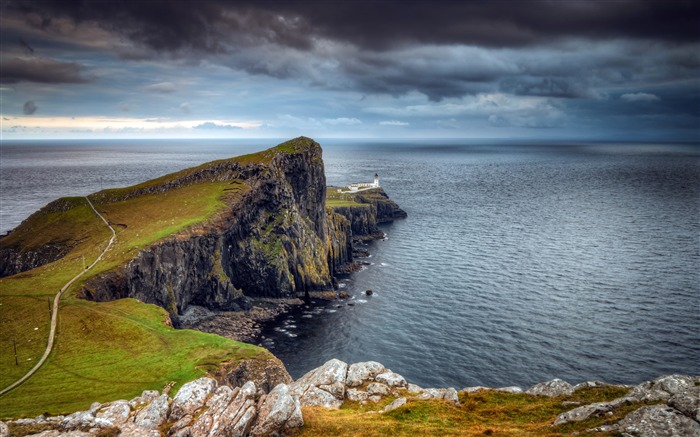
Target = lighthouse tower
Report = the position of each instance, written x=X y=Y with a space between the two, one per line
x=376 y=180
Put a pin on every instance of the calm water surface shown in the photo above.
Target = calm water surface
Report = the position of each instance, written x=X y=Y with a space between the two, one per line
x=517 y=263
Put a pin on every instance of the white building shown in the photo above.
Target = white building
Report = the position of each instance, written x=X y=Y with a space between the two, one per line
x=365 y=185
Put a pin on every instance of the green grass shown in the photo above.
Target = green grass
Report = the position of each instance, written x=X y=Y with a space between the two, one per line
x=334 y=198
x=481 y=413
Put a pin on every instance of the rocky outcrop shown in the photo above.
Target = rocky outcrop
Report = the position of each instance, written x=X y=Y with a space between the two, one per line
x=206 y=408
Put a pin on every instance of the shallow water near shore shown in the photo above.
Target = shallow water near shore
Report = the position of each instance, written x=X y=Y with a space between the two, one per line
x=517 y=263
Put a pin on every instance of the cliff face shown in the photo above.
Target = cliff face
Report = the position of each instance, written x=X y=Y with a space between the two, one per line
x=272 y=242
x=371 y=208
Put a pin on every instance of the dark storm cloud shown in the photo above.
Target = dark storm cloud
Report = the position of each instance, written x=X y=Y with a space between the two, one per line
x=41 y=70
x=29 y=107
x=209 y=24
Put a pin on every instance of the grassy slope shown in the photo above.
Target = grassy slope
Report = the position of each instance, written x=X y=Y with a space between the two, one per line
x=109 y=350
x=335 y=198
x=481 y=413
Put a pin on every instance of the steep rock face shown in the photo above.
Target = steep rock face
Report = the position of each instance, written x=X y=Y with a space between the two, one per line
x=386 y=209
x=363 y=219
x=272 y=242
x=339 y=240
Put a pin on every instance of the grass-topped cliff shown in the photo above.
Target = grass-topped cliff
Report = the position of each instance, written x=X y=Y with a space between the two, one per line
x=117 y=349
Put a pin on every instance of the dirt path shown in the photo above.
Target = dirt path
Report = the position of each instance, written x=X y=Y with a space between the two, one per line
x=54 y=312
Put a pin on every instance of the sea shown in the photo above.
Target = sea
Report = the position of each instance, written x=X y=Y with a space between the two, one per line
x=519 y=261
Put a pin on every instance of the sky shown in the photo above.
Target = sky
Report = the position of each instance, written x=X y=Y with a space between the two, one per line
x=571 y=69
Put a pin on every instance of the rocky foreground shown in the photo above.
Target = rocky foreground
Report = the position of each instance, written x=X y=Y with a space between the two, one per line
x=205 y=408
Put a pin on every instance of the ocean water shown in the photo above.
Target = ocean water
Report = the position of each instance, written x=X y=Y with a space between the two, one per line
x=517 y=263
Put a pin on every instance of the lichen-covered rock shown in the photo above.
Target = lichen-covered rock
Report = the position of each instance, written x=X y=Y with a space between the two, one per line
x=4 y=430
x=511 y=389
x=687 y=403
x=265 y=374
x=583 y=412
x=323 y=386
x=153 y=415
x=238 y=416
x=391 y=379
x=658 y=420
x=191 y=397
x=473 y=389
x=412 y=388
x=662 y=388
x=379 y=389
x=133 y=430
x=116 y=412
x=355 y=395
x=216 y=405
x=359 y=373
x=448 y=394
x=146 y=397
x=79 y=419
x=394 y=405
x=555 y=387
x=278 y=412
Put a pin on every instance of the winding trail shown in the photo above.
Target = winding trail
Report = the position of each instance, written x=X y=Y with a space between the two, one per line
x=54 y=312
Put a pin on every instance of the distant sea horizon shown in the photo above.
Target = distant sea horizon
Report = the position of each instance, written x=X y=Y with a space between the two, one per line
x=520 y=261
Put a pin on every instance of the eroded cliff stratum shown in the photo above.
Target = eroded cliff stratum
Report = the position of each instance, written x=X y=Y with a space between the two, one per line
x=271 y=235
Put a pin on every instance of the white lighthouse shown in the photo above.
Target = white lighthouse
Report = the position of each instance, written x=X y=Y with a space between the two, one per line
x=376 y=180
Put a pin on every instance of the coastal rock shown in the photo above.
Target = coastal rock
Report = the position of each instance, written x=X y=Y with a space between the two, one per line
x=191 y=397
x=181 y=428
x=687 y=403
x=412 y=388
x=555 y=387
x=511 y=389
x=237 y=417
x=473 y=389
x=379 y=389
x=662 y=388
x=391 y=379
x=658 y=420
x=583 y=412
x=324 y=386
x=79 y=419
x=278 y=412
x=146 y=397
x=133 y=430
x=153 y=415
x=216 y=405
x=448 y=394
x=394 y=405
x=116 y=413
x=4 y=430
x=355 y=395
x=359 y=373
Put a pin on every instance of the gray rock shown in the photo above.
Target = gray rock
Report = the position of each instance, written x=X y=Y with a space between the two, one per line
x=391 y=379
x=474 y=389
x=448 y=394
x=153 y=415
x=79 y=419
x=237 y=418
x=511 y=389
x=146 y=397
x=278 y=413
x=47 y=433
x=355 y=395
x=658 y=420
x=181 y=427
x=323 y=386
x=216 y=405
x=687 y=403
x=553 y=388
x=377 y=388
x=116 y=413
x=412 y=388
x=662 y=388
x=133 y=430
x=583 y=412
x=394 y=405
x=359 y=373
x=4 y=430
x=191 y=397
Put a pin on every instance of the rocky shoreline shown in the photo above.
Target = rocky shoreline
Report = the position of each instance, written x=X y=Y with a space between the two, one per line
x=666 y=406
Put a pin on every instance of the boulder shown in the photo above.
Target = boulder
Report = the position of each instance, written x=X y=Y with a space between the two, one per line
x=473 y=389
x=4 y=430
x=377 y=388
x=412 y=388
x=391 y=379
x=394 y=405
x=146 y=397
x=191 y=397
x=323 y=386
x=355 y=395
x=153 y=415
x=265 y=374
x=359 y=373
x=448 y=394
x=181 y=427
x=278 y=412
x=584 y=412
x=662 y=388
x=687 y=403
x=79 y=419
x=511 y=389
x=133 y=430
x=116 y=413
x=658 y=420
x=551 y=389
x=237 y=418
x=216 y=405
